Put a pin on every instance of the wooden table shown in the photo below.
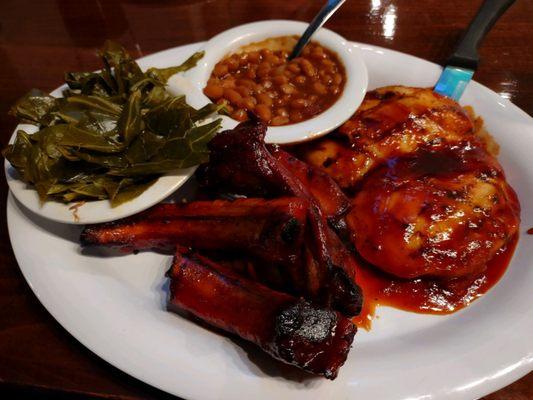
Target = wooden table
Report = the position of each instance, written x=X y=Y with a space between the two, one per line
x=40 y=40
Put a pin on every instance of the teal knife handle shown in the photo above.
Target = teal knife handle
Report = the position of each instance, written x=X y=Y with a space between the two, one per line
x=466 y=55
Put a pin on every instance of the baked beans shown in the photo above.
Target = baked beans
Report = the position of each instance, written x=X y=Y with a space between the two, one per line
x=259 y=79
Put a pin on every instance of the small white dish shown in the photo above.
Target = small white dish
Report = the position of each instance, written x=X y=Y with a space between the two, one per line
x=93 y=212
x=192 y=82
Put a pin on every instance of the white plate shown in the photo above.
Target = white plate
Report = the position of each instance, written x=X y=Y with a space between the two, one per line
x=116 y=305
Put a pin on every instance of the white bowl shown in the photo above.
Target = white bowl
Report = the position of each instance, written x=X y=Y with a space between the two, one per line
x=192 y=82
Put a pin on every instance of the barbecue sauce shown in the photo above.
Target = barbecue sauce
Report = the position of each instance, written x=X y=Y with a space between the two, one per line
x=427 y=296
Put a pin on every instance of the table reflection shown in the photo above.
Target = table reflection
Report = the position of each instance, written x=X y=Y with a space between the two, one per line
x=384 y=13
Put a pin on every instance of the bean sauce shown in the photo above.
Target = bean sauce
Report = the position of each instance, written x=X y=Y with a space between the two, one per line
x=259 y=79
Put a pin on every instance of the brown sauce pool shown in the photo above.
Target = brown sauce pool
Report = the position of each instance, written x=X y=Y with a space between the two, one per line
x=427 y=296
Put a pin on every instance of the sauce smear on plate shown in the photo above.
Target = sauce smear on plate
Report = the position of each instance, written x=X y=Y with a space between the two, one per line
x=427 y=296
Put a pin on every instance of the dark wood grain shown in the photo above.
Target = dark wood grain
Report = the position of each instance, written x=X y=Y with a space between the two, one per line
x=40 y=40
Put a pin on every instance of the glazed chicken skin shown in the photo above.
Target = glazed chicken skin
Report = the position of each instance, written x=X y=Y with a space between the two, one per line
x=392 y=121
x=428 y=197
x=435 y=214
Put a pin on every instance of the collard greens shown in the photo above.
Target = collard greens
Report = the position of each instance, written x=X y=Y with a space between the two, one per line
x=111 y=135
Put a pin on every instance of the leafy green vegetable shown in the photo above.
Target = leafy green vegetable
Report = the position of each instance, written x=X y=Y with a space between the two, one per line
x=95 y=103
x=112 y=134
x=36 y=107
x=163 y=74
x=190 y=149
x=131 y=123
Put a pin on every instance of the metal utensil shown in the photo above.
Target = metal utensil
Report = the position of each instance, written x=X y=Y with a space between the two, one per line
x=323 y=15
